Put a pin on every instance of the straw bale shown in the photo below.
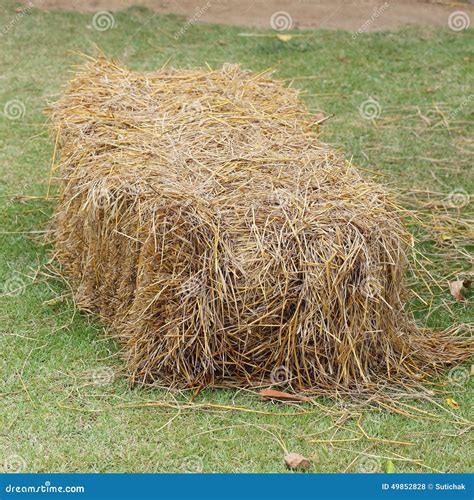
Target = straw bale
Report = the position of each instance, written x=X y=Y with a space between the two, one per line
x=202 y=218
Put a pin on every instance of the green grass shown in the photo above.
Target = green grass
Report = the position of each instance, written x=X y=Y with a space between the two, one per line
x=52 y=414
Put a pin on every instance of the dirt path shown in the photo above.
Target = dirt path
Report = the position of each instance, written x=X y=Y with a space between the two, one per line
x=368 y=15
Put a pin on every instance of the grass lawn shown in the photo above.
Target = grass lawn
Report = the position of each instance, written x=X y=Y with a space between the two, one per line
x=66 y=405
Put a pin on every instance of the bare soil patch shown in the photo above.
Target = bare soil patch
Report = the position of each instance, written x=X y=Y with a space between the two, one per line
x=369 y=15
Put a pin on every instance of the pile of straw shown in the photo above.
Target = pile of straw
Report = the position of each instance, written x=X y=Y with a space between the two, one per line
x=202 y=218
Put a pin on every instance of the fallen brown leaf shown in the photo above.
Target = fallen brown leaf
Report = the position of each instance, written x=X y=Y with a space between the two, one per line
x=282 y=396
x=452 y=403
x=455 y=288
x=295 y=461
x=465 y=281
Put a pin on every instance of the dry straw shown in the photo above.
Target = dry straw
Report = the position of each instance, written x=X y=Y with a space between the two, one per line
x=202 y=218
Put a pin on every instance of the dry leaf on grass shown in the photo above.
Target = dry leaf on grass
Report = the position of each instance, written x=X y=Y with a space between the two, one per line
x=455 y=288
x=389 y=467
x=295 y=461
x=452 y=403
x=284 y=38
x=465 y=281
x=282 y=396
